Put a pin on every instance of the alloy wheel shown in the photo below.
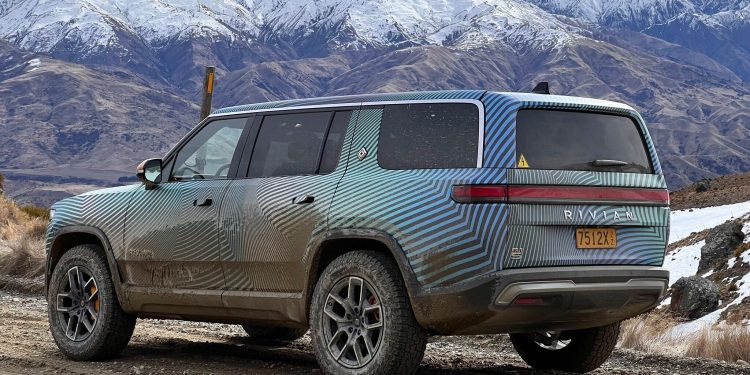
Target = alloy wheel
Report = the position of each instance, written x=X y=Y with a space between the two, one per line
x=78 y=303
x=551 y=340
x=353 y=322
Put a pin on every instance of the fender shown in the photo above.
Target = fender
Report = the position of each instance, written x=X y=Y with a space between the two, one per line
x=413 y=287
x=111 y=262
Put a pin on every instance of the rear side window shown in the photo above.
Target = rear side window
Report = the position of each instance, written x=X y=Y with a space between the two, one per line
x=289 y=144
x=429 y=136
x=580 y=141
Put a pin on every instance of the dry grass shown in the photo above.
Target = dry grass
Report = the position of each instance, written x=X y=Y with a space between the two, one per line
x=731 y=343
x=648 y=333
x=653 y=333
x=21 y=247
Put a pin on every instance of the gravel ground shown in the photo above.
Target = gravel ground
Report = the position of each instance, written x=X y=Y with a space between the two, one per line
x=172 y=347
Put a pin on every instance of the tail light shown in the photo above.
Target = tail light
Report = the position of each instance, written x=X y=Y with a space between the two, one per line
x=480 y=193
x=559 y=195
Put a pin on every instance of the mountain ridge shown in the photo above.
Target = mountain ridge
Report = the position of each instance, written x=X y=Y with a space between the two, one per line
x=76 y=110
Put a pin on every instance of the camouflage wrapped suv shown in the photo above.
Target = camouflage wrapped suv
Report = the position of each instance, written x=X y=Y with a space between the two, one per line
x=375 y=221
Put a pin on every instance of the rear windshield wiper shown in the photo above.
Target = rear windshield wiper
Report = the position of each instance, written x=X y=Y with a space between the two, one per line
x=609 y=163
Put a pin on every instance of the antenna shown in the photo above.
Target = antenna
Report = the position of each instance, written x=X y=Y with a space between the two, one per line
x=541 y=88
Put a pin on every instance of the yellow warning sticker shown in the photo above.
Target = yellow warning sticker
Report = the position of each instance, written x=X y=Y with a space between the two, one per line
x=522 y=162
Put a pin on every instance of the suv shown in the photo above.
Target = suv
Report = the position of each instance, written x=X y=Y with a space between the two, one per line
x=375 y=221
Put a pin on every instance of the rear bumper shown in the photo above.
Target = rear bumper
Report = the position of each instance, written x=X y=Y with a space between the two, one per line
x=536 y=299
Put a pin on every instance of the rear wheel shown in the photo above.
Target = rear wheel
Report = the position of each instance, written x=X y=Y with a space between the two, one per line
x=273 y=333
x=85 y=317
x=361 y=321
x=574 y=351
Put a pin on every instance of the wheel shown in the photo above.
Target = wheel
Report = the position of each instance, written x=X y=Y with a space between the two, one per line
x=274 y=333
x=361 y=321
x=574 y=351
x=85 y=317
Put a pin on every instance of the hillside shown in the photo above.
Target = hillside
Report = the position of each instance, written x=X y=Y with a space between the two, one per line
x=718 y=191
x=90 y=88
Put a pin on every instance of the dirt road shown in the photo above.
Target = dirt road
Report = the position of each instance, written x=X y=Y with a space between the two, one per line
x=170 y=347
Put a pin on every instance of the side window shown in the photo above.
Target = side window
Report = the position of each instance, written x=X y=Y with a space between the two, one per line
x=289 y=144
x=334 y=141
x=209 y=153
x=429 y=136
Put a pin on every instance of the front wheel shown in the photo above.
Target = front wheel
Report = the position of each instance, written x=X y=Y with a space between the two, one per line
x=361 y=321
x=85 y=317
x=574 y=351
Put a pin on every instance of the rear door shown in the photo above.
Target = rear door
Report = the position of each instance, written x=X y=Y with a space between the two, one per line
x=584 y=191
x=269 y=216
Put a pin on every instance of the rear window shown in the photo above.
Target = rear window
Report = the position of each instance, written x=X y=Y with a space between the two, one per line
x=580 y=141
x=429 y=136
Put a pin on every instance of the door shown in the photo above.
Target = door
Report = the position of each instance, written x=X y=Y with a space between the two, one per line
x=171 y=235
x=270 y=216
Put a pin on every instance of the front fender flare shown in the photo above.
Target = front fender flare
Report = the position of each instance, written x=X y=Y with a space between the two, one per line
x=106 y=246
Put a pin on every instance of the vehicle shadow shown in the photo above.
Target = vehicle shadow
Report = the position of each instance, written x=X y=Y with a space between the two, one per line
x=241 y=354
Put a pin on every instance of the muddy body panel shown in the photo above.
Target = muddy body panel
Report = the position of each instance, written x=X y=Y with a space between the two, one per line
x=246 y=246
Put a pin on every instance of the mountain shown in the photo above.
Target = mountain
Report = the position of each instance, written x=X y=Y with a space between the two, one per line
x=717 y=28
x=88 y=87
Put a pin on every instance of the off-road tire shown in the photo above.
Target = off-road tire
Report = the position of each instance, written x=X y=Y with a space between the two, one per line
x=113 y=328
x=273 y=333
x=403 y=340
x=587 y=350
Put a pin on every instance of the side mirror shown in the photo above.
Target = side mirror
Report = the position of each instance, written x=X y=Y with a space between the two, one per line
x=149 y=172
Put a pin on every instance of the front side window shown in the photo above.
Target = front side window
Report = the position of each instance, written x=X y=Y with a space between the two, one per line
x=209 y=153
x=429 y=136
x=289 y=144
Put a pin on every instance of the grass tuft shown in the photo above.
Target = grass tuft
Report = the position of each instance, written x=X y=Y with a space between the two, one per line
x=22 y=231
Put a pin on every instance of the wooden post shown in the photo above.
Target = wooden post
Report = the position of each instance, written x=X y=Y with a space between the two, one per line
x=208 y=91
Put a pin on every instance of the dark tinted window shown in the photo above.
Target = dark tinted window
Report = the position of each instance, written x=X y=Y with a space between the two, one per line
x=332 y=149
x=580 y=141
x=289 y=144
x=209 y=153
x=426 y=136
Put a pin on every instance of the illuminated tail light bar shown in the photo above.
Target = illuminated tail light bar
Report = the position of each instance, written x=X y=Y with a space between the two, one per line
x=559 y=195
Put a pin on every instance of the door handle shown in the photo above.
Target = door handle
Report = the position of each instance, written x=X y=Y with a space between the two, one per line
x=205 y=202
x=303 y=199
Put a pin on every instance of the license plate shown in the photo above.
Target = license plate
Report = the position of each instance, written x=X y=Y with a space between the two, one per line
x=596 y=238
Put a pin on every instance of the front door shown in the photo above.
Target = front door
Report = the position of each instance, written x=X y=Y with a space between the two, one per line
x=171 y=235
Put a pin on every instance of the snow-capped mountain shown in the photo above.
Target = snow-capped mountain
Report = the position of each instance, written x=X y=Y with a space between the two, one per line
x=96 y=25
x=621 y=13
x=684 y=64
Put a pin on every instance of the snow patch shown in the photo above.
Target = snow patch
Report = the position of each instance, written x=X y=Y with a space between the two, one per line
x=685 y=222
x=683 y=262
x=34 y=64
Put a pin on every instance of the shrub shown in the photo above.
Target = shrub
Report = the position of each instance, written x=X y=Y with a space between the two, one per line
x=35 y=211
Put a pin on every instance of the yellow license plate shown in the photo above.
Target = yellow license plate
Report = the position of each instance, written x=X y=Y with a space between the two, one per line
x=596 y=238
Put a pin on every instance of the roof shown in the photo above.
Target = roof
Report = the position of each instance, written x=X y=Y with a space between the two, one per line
x=526 y=99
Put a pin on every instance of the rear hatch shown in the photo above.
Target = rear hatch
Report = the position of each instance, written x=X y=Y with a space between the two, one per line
x=584 y=191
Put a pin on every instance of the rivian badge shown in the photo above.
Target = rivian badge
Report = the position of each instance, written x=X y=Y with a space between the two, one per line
x=362 y=153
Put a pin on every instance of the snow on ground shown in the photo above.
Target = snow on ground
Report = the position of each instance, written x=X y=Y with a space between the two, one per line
x=683 y=262
x=685 y=222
